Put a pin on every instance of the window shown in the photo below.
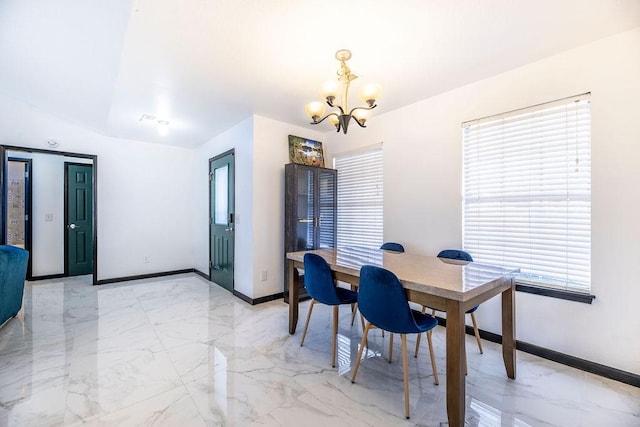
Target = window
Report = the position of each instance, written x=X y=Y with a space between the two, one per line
x=527 y=193
x=360 y=198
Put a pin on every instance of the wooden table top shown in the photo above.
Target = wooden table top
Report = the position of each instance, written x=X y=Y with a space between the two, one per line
x=451 y=279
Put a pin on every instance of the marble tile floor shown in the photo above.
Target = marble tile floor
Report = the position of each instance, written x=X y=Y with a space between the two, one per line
x=180 y=351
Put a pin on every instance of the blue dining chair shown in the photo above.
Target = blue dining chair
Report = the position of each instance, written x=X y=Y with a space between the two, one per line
x=383 y=302
x=460 y=255
x=392 y=246
x=320 y=285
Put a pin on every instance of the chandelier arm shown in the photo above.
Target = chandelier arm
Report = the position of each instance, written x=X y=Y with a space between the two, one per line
x=325 y=117
x=360 y=124
x=362 y=108
x=339 y=107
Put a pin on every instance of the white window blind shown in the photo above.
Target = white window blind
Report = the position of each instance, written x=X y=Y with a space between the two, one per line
x=527 y=192
x=360 y=197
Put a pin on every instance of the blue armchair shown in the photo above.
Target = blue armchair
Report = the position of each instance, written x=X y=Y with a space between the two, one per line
x=13 y=271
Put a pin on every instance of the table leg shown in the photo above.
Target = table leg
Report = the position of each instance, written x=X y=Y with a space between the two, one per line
x=455 y=364
x=293 y=299
x=509 y=331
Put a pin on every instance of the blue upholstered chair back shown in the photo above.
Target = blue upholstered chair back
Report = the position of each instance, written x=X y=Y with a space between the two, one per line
x=13 y=271
x=392 y=246
x=455 y=254
x=383 y=301
x=318 y=280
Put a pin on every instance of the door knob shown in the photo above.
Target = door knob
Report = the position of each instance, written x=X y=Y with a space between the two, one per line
x=71 y=226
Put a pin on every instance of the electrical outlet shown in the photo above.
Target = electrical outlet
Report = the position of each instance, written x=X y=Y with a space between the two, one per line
x=263 y=276
x=145 y=260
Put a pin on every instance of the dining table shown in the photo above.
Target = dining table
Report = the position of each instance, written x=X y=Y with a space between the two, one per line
x=450 y=286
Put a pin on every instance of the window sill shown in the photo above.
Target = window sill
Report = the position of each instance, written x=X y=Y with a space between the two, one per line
x=555 y=293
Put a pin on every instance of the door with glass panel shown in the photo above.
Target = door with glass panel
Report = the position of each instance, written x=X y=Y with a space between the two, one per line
x=221 y=219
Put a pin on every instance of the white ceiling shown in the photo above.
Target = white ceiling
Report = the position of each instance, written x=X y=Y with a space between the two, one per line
x=205 y=65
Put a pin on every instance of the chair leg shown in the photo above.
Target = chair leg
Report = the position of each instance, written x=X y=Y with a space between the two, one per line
x=335 y=334
x=424 y=311
x=354 y=310
x=433 y=314
x=306 y=324
x=433 y=359
x=405 y=371
x=476 y=331
x=362 y=345
x=353 y=316
x=390 y=347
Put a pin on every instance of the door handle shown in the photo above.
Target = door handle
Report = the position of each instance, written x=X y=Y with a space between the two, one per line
x=71 y=226
x=228 y=229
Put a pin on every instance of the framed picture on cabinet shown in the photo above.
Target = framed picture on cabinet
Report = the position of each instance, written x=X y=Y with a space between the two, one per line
x=305 y=151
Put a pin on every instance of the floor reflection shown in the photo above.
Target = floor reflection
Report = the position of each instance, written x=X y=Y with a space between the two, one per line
x=219 y=380
x=484 y=415
x=182 y=351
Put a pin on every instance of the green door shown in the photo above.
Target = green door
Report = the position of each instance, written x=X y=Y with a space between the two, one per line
x=221 y=219
x=79 y=219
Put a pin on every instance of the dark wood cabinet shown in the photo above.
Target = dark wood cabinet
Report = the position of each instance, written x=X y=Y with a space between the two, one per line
x=310 y=213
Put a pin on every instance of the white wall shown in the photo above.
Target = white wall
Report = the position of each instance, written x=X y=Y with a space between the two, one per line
x=422 y=178
x=271 y=153
x=239 y=138
x=144 y=191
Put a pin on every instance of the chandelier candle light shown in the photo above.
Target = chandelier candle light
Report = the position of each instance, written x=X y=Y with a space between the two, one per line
x=331 y=89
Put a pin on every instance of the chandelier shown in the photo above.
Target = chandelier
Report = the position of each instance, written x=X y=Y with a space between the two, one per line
x=332 y=89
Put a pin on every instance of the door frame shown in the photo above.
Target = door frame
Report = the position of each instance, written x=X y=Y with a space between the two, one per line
x=3 y=173
x=212 y=159
x=66 y=210
x=28 y=227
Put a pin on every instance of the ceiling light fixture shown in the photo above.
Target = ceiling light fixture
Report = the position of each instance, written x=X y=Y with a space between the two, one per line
x=147 y=117
x=331 y=89
x=163 y=125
